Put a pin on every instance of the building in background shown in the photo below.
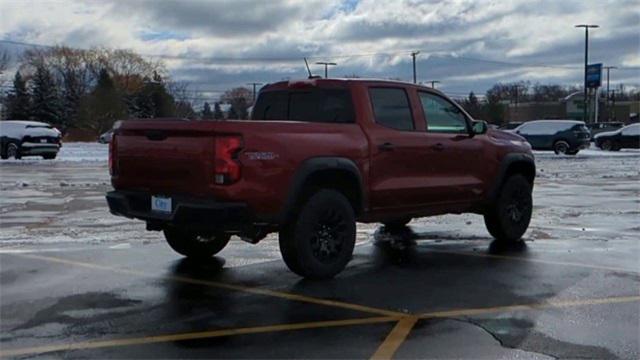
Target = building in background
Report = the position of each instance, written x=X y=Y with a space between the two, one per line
x=570 y=107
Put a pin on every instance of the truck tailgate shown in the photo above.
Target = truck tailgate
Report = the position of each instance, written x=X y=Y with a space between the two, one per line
x=172 y=157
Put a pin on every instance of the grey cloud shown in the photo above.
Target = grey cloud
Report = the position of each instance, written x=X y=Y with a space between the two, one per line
x=219 y=18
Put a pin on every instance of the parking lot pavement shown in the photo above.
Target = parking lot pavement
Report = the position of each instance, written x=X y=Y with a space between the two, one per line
x=76 y=282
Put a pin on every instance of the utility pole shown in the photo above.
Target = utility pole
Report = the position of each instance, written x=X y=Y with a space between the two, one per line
x=326 y=67
x=413 y=55
x=586 y=60
x=607 y=102
x=433 y=83
x=254 y=84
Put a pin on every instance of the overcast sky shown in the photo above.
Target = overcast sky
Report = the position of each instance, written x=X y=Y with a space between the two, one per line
x=467 y=45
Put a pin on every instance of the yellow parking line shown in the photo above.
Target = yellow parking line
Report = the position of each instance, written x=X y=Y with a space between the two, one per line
x=192 y=336
x=518 y=258
x=528 y=307
x=258 y=291
x=395 y=338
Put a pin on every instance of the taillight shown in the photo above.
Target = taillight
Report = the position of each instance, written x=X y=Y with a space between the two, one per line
x=227 y=166
x=112 y=154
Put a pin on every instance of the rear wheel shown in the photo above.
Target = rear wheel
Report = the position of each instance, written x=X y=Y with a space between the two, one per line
x=12 y=151
x=508 y=218
x=572 y=152
x=319 y=243
x=193 y=245
x=49 y=156
x=561 y=147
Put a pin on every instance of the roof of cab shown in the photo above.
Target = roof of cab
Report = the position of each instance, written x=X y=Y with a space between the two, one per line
x=293 y=83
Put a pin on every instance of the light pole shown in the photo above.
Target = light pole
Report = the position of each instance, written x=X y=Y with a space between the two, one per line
x=586 y=60
x=608 y=68
x=413 y=55
x=254 y=84
x=326 y=67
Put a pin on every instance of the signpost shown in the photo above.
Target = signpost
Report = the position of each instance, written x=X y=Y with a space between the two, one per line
x=594 y=76
x=593 y=80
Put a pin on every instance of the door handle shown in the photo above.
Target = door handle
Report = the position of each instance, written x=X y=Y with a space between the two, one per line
x=386 y=146
x=438 y=147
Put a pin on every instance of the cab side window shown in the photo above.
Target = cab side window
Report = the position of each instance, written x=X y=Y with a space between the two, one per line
x=442 y=116
x=391 y=108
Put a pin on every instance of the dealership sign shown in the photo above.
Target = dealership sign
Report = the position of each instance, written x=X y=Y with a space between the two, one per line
x=594 y=75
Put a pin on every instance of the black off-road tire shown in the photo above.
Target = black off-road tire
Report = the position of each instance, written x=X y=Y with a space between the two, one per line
x=49 y=156
x=319 y=242
x=193 y=245
x=561 y=147
x=397 y=224
x=508 y=218
x=573 y=152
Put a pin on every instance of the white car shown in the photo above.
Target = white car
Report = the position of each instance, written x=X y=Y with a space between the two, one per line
x=20 y=138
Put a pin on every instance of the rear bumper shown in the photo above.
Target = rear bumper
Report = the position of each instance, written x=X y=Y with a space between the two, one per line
x=27 y=148
x=584 y=144
x=186 y=211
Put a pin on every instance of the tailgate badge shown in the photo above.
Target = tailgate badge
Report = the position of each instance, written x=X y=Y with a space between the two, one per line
x=261 y=155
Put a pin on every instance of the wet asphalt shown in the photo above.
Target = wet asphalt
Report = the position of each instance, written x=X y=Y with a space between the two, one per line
x=585 y=301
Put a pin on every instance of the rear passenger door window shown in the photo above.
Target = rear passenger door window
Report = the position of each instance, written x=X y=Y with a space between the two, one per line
x=442 y=116
x=391 y=108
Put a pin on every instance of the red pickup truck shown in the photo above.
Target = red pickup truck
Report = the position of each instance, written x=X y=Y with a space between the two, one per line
x=317 y=156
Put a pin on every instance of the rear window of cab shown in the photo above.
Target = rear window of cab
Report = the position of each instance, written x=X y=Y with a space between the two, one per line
x=309 y=105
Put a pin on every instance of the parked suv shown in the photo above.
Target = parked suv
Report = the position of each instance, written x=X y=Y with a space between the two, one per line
x=25 y=138
x=627 y=137
x=561 y=136
x=317 y=156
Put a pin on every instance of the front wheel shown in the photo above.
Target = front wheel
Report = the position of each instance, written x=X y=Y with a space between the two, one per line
x=49 y=156
x=508 y=218
x=193 y=245
x=319 y=242
x=606 y=145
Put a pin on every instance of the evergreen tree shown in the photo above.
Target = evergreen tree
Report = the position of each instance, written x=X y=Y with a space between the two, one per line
x=217 y=112
x=207 y=114
x=233 y=113
x=46 y=105
x=104 y=106
x=153 y=100
x=18 y=100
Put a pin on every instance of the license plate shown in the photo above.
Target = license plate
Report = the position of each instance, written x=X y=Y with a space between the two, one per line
x=43 y=140
x=161 y=204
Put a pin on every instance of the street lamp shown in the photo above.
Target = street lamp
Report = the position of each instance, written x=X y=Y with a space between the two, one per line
x=607 y=97
x=326 y=67
x=586 y=60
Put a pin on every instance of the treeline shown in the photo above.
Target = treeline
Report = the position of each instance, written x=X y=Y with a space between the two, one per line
x=91 y=89
x=496 y=100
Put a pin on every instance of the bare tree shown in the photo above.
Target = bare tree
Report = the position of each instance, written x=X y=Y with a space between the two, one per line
x=240 y=99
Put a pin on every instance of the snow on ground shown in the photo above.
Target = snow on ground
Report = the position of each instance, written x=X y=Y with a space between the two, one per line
x=594 y=196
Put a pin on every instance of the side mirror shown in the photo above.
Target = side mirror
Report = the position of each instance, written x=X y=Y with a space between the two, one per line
x=479 y=127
